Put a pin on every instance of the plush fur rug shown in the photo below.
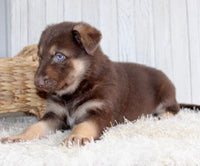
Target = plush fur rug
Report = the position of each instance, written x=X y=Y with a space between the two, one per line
x=147 y=141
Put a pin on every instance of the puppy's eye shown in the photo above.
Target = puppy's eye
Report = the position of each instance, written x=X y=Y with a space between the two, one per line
x=59 y=56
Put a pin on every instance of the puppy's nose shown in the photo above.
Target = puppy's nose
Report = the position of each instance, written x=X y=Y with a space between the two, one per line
x=39 y=82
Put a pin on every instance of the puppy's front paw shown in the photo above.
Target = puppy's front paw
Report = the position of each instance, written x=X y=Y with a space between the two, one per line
x=76 y=140
x=11 y=139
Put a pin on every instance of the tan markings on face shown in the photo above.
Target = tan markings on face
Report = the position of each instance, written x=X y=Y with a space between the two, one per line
x=82 y=133
x=75 y=76
x=52 y=50
x=37 y=130
x=67 y=53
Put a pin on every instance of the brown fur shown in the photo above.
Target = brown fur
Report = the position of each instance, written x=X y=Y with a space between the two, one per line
x=90 y=92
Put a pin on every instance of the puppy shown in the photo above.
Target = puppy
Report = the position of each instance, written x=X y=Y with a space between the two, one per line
x=86 y=91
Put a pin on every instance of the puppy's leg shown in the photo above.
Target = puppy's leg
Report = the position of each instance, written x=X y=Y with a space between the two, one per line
x=83 y=133
x=166 y=114
x=88 y=130
x=35 y=131
x=167 y=109
x=48 y=124
x=166 y=96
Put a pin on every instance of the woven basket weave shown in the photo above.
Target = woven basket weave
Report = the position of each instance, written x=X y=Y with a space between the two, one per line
x=17 y=90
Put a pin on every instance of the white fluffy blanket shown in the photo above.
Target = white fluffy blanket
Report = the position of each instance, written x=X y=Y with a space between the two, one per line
x=147 y=141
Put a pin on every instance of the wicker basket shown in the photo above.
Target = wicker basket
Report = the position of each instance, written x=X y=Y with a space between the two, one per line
x=17 y=90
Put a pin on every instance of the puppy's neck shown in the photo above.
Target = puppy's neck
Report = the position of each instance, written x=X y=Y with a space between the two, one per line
x=100 y=67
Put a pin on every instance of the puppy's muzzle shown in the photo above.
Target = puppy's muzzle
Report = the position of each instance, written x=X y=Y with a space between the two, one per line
x=44 y=83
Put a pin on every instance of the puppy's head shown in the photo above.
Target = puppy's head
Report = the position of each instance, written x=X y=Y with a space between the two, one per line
x=65 y=51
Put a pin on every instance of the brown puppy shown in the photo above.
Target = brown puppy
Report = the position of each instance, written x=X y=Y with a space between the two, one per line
x=87 y=91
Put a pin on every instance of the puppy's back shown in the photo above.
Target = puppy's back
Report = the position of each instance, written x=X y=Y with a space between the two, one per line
x=144 y=86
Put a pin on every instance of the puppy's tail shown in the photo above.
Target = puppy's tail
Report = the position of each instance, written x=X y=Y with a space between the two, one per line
x=190 y=106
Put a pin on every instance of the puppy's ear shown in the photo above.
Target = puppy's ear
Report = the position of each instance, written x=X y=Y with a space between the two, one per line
x=87 y=37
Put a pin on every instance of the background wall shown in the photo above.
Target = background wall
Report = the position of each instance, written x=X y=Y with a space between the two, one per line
x=4 y=28
x=161 y=33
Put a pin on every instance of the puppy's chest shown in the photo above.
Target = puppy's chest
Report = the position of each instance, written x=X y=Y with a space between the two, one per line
x=72 y=103
x=72 y=108
x=75 y=108
x=74 y=111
